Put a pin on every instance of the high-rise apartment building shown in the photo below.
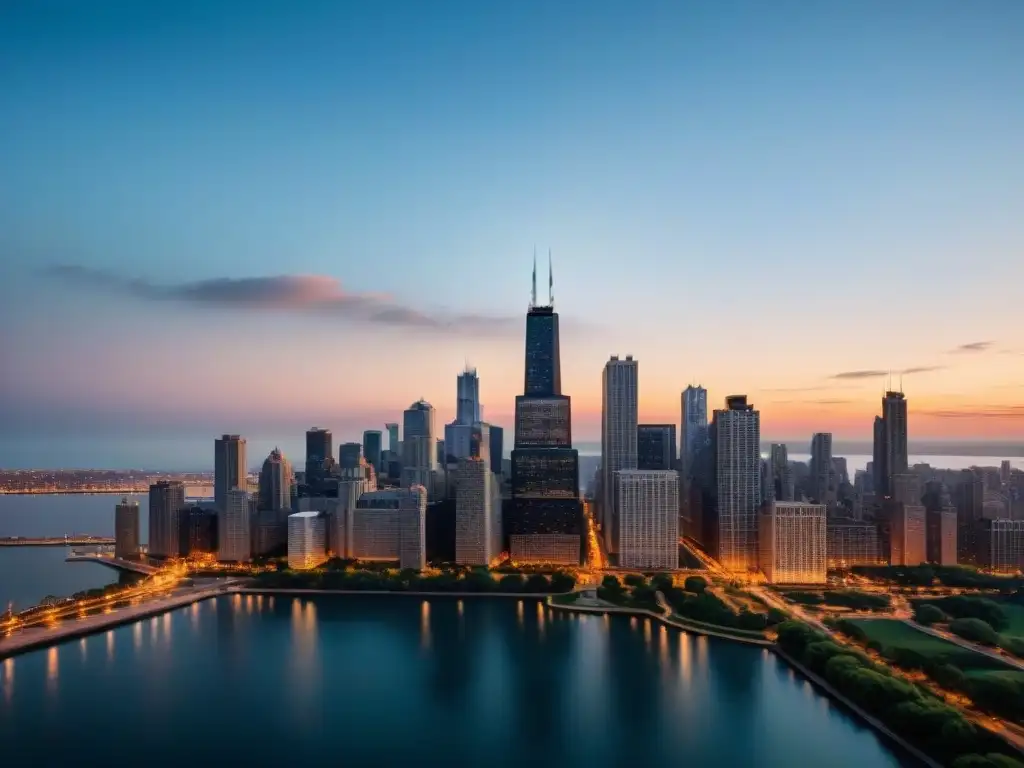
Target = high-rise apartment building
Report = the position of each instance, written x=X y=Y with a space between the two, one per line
x=126 y=529
x=656 y=447
x=693 y=427
x=821 y=468
x=1000 y=545
x=851 y=543
x=419 y=446
x=373 y=449
x=234 y=528
x=166 y=501
x=276 y=480
x=904 y=533
x=341 y=516
x=198 y=531
x=349 y=455
x=737 y=444
x=477 y=513
x=544 y=517
x=781 y=473
x=905 y=487
x=307 y=540
x=620 y=388
x=792 y=543
x=391 y=525
x=940 y=536
x=648 y=518
x=229 y=467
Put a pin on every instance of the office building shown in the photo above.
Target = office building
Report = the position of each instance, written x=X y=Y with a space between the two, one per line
x=648 y=518
x=656 y=447
x=1000 y=545
x=693 y=427
x=340 y=532
x=905 y=487
x=126 y=529
x=497 y=448
x=234 y=529
x=821 y=469
x=620 y=389
x=970 y=509
x=307 y=536
x=419 y=446
x=467 y=397
x=198 y=531
x=229 y=468
x=543 y=520
x=349 y=455
x=851 y=542
x=391 y=525
x=737 y=451
x=276 y=480
x=940 y=540
x=394 y=444
x=889 y=456
x=373 y=449
x=319 y=456
x=904 y=533
x=477 y=514
x=166 y=500
x=781 y=473
x=270 y=532
x=792 y=543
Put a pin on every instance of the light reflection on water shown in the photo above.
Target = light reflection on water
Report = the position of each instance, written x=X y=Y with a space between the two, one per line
x=110 y=645
x=52 y=669
x=425 y=625
x=8 y=680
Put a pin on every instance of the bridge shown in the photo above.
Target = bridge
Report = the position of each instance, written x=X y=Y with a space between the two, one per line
x=67 y=540
x=108 y=559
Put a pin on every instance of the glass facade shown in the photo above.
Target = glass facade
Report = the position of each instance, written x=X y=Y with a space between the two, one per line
x=543 y=422
x=656 y=446
x=545 y=473
x=543 y=371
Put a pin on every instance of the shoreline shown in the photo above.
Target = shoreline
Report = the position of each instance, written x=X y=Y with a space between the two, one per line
x=379 y=592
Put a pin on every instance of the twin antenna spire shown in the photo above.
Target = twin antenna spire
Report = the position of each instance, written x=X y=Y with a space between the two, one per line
x=551 y=282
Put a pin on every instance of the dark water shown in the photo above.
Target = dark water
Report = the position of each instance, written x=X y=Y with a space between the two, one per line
x=398 y=681
x=28 y=574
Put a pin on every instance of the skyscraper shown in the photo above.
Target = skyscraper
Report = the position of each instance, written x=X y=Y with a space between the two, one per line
x=391 y=525
x=419 y=447
x=889 y=456
x=782 y=475
x=234 y=529
x=393 y=444
x=497 y=448
x=475 y=518
x=791 y=543
x=821 y=468
x=229 y=467
x=467 y=397
x=656 y=446
x=648 y=509
x=737 y=439
x=619 y=409
x=940 y=537
x=166 y=502
x=276 y=479
x=319 y=455
x=545 y=519
x=970 y=509
x=693 y=425
x=372 y=449
x=349 y=455
x=126 y=529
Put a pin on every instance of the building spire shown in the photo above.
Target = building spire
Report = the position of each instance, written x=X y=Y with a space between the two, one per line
x=551 y=282
x=533 y=292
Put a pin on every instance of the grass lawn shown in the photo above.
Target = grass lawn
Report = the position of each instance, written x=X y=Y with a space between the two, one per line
x=1015 y=614
x=892 y=633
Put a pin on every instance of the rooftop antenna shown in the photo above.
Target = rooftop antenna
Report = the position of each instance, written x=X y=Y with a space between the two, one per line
x=551 y=282
x=533 y=292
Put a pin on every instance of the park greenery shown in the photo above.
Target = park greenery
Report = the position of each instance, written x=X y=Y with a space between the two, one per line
x=345 y=575
x=840 y=598
x=693 y=601
x=952 y=576
x=995 y=622
x=921 y=718
x=993 y=686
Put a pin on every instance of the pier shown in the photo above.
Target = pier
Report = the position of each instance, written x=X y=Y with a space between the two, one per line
x=67 y=540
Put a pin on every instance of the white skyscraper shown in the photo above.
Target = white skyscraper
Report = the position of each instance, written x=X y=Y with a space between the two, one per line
x=792 y=543
x=339 y=539
x=234 y=528
x=648 y=505
x=474 y=514
x=737 y=430
x=391 y=525
x=619 y=404
x=307 y=540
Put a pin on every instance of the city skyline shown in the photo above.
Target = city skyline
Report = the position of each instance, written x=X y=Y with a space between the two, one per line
x=188 y=233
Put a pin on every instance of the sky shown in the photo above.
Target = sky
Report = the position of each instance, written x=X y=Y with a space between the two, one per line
x=259 y=216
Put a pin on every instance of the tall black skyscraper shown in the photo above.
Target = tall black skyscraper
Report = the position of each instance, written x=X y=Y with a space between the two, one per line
x=544 y=520
x=319 y=455
x=889 y=456
x=497 y=448
x=656 y=446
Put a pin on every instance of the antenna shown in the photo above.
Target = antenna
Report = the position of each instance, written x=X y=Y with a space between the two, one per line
x=551 y=282
x=533 y=292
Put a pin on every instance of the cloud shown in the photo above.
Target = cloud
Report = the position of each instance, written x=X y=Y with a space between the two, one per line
x=974 y=346
x=301 y=294
x=818 y=388
x=854 y=375
x=982 y=412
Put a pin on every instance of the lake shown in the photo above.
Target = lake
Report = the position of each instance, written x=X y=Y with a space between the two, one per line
x=399 y=681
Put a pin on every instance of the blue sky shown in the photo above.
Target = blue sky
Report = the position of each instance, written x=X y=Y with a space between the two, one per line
x=758 y=196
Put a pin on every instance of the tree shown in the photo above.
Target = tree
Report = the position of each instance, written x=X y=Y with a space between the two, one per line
x=635 y=580
x=928 y=614
x=695 y=584
x=975 y=630
x=512 y=582
x=537 y=582
x=562 y=581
